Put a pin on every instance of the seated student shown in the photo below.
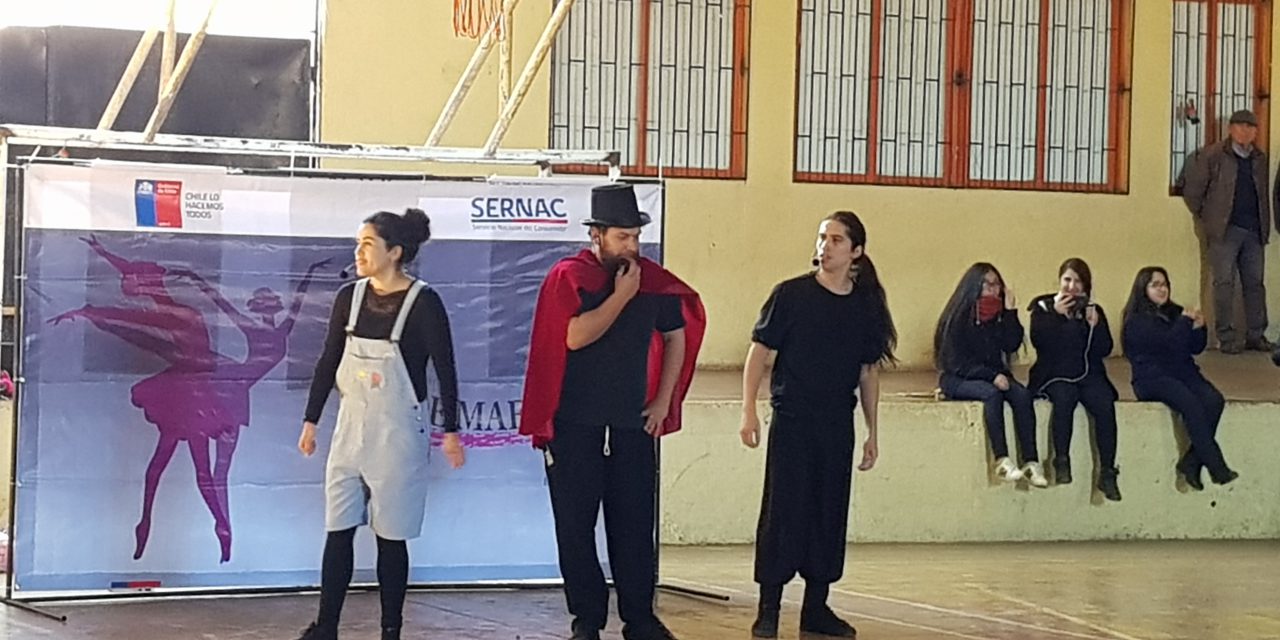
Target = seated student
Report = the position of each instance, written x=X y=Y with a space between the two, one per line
x=1071 y=337
x=976 y=334
x=1161 y=340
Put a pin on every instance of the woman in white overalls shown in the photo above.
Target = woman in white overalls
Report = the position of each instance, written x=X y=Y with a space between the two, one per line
x=384 y=330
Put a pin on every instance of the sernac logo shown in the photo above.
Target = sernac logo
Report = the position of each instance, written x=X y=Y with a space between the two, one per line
x=519 y=211
x=158 y=203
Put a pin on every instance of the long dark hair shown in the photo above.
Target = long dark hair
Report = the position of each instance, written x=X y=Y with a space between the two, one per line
x=1082 y=270
x=408 y=231
x=867 y=282
x=1140 y=303
x=961 y=309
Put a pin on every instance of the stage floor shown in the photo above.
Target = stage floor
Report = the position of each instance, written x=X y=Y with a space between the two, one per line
x=1248 y=377
x=1039 y=591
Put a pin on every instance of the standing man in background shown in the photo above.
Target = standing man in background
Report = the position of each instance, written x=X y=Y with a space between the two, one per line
x=1225 y=186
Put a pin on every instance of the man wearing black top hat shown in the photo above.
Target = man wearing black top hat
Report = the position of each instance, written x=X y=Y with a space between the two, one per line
x=615 y=337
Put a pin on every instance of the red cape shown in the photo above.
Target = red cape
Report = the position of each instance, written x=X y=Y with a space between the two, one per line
x=558 y=303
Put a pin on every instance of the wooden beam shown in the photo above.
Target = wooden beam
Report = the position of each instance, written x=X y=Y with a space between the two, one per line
x=170 y=49
x=179 y=76
x=540 y=51
x=468 y=78
x=127 y=80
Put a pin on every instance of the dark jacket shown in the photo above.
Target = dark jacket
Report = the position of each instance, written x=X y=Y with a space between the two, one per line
x=1060 y=344
x=1209 y=188
x=979 y=351
x=1163 y=344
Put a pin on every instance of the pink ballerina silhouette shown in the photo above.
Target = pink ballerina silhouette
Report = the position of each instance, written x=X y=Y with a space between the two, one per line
x=267 y=343
x=201 y=396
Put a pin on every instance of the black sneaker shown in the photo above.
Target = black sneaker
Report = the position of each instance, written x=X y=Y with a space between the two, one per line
x=316 y=632
x=825 y=622
x=766 y=624
x=1062 y=471
x=584 y=631
x=1107 y=484
x=653 y=631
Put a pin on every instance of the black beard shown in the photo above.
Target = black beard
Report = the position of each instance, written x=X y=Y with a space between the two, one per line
x=613 y=264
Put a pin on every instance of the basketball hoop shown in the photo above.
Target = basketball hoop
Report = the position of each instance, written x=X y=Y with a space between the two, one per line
x=472 y=18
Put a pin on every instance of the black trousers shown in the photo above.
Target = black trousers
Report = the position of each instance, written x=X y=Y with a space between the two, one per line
x=1200 y=405
x=805 y=511
x=335 y=577
x=588 y=466
x=1099 y=400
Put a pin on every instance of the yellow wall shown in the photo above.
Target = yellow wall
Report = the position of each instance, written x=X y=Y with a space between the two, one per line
x=389 y=71
x=943 y=491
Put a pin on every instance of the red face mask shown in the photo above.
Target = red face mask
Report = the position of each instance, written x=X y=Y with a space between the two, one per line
x=989 y=308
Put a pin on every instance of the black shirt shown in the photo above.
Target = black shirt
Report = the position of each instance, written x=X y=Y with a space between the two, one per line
x=1244 y=208
x=426 y=338
x=823 y=339
x=605 y=382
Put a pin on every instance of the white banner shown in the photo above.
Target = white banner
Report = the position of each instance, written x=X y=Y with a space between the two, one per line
x=203 y=200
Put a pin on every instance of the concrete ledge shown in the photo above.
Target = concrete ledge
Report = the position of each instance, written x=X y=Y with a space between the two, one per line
x=932 y=482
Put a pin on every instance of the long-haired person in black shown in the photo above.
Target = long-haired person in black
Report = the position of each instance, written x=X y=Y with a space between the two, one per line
x=1071 y=336
x=1161 y=340
x=383 y=332
x=975 y=338
x=831 y=330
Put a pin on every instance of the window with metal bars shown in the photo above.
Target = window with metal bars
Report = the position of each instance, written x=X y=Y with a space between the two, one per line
x=662 y=81
x=1017 y=94
x=1216 y=48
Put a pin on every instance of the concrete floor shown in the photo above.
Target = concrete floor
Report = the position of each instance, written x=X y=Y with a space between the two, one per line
x=1040 y=591
x=1248 y=377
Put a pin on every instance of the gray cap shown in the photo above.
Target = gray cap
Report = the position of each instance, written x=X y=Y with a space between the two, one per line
x=1244 y=116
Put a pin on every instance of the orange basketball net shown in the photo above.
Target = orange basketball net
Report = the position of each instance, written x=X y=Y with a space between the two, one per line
x=472 y=18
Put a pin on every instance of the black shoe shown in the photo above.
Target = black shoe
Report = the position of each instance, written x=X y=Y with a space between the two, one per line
x=825 y=622
x=584 y=631
x=1259 y=344
x=1107 y=484
x=1231 y=348
x=391 y=633
x=1225 y=477
x=316 y=632
x=655 y=630
x=766 y=624
x=1192 y=477
x=1062 y=471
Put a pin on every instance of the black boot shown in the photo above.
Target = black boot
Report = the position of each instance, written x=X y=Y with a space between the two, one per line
x=1225 y=476
x=654 y=630
x=391 y=633
x=584 y=631
x=1191 y=474
x=817 y=617
x=766 y=624
x=1062 y=470
x=316 y=632
x=1107 y=484
x=823 y=621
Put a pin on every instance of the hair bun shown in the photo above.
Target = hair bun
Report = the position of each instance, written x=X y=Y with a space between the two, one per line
x=417 y=225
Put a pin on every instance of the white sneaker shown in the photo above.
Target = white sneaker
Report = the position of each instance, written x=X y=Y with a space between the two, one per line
x=1034 y=472
x=1007 y=471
